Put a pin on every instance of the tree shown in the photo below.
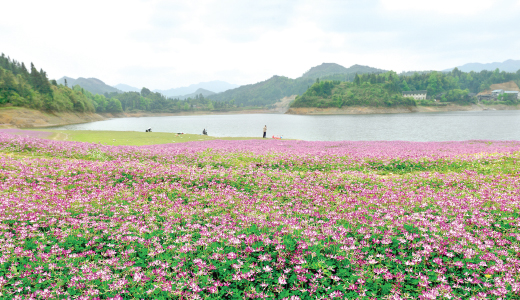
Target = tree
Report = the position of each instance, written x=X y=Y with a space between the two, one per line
x=114 y=105
x=145 y=92
x=434 y=84
x=357 y=80
x=404 y=86
x=35 y=78
x=24 y=72
x=66 y=83
x=45 y=85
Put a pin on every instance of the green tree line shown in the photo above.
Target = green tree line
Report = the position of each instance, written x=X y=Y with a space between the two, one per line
x=439 y=82
x=32 y=89
x=21 y=87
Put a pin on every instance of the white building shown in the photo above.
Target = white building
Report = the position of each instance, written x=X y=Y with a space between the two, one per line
x=495 y=93
x=516 y=93
x=417 y=95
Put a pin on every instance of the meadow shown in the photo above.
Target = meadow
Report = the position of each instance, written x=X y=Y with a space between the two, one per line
x=259 y=219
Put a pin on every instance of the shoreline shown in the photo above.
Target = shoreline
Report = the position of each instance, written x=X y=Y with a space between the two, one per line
x=20 y=117
x=364 y=110
x=17 y=117
x=187 y=113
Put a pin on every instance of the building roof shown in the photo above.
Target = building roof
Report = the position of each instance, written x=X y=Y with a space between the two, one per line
x=415 y=92
x=511 y=92
x=497 y=91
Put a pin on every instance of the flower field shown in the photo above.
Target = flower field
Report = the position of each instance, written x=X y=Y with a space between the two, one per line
x=259 y=219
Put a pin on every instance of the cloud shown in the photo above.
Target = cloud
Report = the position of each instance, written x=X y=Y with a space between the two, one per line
x=165 y=44
x=450 y=7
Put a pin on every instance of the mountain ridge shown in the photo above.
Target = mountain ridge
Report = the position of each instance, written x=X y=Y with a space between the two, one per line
x=509 y=65
x=126 y=88
x=269 y=91
x=216 y=86
x=93 y=85
x=198 y=92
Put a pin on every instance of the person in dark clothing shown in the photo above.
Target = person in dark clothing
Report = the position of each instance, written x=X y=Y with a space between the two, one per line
x=265 y=130
x=204 y=132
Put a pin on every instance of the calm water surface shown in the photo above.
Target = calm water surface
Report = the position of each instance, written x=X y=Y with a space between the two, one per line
x=447 y=126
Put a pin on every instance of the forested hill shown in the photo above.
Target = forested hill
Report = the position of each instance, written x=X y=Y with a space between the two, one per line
x=386 y=89
x=269 y=91
x=265 y=92
x=32 y=89
x=93 y=85
x=338 y=94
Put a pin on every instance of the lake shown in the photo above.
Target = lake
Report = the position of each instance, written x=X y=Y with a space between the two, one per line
x=445 y=126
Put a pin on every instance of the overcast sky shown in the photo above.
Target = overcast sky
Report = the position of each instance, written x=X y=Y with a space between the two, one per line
x=165 y=44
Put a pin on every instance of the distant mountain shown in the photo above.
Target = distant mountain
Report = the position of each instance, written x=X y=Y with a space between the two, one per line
x=509 y=65
x=216 y=86
x=126 y=88
x=265 y=92
x=93 y=85
x=70 y=81
x=275 y=88
x=204 y=93
x=327 y=69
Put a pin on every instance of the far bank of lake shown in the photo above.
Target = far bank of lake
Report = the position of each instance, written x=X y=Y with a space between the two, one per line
x=364 y=110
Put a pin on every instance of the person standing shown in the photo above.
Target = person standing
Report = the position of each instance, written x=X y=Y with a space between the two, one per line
x=265 y=130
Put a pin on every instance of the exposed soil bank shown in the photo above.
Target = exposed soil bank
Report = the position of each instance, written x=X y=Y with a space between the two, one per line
x=362 y=110
x=16 y=117
x=29 y=118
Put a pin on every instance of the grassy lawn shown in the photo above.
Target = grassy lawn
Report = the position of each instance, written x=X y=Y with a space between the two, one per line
x=132 y=138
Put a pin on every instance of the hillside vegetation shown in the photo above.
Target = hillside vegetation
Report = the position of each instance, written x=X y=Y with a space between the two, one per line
x=265 y=92
x=32 y=89
x=268 y=92
x=20 y=87
x=386 y=89
x=339 y=94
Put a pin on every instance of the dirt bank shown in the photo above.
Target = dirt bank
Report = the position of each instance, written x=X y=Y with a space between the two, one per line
x=16 y=117
x=362 y=110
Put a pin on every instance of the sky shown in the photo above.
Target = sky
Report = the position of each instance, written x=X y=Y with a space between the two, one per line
x=164 y=44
